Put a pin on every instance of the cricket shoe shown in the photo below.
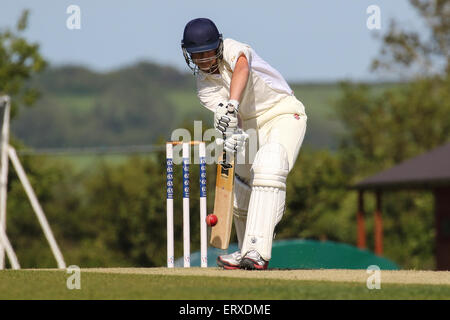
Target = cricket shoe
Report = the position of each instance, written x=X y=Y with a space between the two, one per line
x=253 y=261
x=230 y=261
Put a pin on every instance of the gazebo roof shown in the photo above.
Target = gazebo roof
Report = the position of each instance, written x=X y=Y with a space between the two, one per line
x=427 y=170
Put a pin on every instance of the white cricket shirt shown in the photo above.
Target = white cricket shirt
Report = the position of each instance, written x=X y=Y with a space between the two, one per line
x=265 y=86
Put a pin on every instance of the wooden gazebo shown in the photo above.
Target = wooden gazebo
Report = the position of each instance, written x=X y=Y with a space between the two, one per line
x=429 y=171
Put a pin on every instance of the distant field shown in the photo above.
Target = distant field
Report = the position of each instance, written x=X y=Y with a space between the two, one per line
x=188 y=106
x=63 y=118
x=319 y=99
x=323 y=127
x=69 y=113
x=80 y=104
x=144 y=102
x=81 y=162
x=216 y=284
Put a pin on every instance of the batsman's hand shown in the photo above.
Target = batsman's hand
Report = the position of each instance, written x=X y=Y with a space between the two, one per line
x=226 y=117
x=234 y=141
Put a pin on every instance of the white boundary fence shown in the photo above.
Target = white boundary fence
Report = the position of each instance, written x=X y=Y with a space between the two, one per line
x=8 y=151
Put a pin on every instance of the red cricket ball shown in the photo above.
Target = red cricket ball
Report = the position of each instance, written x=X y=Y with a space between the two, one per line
x=211 y=220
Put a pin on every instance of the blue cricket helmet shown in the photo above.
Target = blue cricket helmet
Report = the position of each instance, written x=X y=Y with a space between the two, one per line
x=201 y=35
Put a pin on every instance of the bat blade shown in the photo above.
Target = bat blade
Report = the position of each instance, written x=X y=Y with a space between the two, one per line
x=223 y=203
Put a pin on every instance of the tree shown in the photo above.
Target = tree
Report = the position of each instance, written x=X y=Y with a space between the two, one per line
x=408 y=49
x=19 y=60
x=407 y=119
x=404 y=120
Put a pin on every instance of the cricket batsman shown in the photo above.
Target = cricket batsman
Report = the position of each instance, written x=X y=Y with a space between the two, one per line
x=230 y=74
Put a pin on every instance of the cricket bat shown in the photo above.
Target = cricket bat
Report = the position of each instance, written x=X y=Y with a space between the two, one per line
x=223 y=202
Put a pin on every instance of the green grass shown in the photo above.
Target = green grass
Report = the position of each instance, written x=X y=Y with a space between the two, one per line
x=323 y=130
x=187 y=105
x=82 y=162
x=79 y=104
x=33 y=284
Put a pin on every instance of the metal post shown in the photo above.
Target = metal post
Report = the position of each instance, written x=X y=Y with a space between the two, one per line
x=9 y=250
x=6 y=103
x=37 y=208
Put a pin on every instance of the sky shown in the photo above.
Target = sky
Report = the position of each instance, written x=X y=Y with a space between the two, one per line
x=306 y=40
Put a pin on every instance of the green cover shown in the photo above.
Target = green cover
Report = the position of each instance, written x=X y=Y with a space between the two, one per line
x=308 y=254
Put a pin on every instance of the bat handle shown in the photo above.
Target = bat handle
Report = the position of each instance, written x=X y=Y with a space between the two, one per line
x=225 y=163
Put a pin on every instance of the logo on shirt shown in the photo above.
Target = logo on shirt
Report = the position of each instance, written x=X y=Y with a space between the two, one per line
x=297 y=116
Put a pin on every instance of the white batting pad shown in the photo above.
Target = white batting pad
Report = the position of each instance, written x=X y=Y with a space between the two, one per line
x=267 y=201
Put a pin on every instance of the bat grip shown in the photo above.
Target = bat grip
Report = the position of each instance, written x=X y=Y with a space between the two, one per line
x=225 y=163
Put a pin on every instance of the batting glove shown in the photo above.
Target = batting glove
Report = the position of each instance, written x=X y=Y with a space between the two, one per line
x=225 y=117
x=235 y=142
